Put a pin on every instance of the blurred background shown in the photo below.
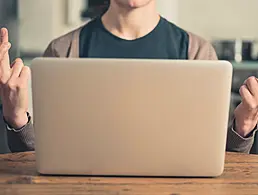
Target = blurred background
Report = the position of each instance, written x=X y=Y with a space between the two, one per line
x=230 y=25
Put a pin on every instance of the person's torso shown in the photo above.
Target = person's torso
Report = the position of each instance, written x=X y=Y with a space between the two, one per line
x=166 y=41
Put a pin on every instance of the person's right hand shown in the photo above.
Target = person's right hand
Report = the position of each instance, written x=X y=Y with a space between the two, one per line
x=13 y=85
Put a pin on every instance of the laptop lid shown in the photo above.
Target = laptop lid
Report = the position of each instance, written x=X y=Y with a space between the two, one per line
x=130 y=117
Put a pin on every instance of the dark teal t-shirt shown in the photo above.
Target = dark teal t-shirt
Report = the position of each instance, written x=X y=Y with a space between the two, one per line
x=166 y=41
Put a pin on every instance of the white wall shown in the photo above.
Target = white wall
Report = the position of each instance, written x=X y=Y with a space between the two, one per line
x=43 y=20
x=67 y=15
x=35 y=26
x=220 y=18
x=168 y=9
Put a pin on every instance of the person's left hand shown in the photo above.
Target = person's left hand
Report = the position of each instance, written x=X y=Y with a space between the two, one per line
x=246 y=113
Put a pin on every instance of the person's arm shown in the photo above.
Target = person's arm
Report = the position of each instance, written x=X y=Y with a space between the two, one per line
x=238 y=143
x=199 y=49
x=23 y=139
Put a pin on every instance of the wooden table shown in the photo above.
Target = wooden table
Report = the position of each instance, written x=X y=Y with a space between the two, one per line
x=18 y=176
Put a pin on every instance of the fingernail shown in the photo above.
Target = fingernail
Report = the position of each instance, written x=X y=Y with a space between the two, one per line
x=18 y=60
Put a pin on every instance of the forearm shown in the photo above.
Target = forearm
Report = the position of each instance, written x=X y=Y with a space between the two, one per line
x=237 y=143
x=21 y=140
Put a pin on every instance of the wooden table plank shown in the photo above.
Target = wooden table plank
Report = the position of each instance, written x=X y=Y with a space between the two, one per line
x=157 y=189
x=18 y=176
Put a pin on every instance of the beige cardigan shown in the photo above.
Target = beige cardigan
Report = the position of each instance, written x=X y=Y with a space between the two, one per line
x=68 y=46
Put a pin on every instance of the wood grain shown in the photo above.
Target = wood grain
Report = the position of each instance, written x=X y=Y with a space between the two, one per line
x=18 y=176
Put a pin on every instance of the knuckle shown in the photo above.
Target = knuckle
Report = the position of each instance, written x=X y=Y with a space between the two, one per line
x=26 y=69
x=17 y=63
x=11 y=85
x=251 y=80
x=1 y=56
x=242 y=88
x=248 y=80
x=253 y=106
x=4 y=48
x=26 y=72
x=2 y=81
x=18 y=60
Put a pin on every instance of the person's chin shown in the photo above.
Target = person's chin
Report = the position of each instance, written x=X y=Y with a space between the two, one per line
x=133 y=4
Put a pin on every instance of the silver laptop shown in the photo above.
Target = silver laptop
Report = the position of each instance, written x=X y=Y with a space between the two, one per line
x=119 y=117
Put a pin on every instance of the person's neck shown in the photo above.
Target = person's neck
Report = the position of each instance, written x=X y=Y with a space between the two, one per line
x=132 y=23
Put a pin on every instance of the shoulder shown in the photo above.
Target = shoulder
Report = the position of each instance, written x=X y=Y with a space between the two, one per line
x=200 y=49
x=61 y=46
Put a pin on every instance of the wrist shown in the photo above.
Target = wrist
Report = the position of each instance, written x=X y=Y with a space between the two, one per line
x=17 y=121
x=244 y=128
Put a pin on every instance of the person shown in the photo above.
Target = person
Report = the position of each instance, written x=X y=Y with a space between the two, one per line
x=128 y=29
